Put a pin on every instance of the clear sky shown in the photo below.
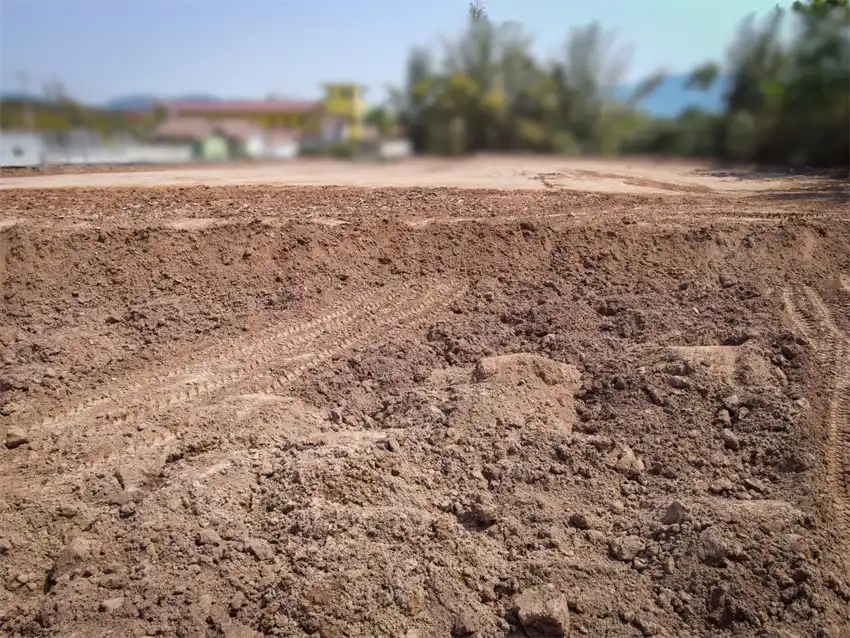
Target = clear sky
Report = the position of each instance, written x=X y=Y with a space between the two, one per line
x=100 y=49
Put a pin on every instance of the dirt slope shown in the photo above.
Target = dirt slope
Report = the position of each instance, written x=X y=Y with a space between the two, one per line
x=423 y=412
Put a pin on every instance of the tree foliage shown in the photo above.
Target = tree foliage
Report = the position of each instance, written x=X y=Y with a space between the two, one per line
x=64 y=114
x=785 y=100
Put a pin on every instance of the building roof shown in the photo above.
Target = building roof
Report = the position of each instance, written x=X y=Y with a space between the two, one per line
x=238 y=129
x=272 y=105
x=192 y=128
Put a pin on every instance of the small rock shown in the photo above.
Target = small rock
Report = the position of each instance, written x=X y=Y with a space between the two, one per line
x=67 y=510
x=628 y=463
x=237 y=602
x=679 y=368
x=113 y=581
x=208 y=536
x=647 y=627
x=7 y=408
x=723 y=418
x=15 y=437
x=260 y=548
x=626 y=548
x=713 y=545
x=543 y=613
x=754 y=484
x=732 y=403
x=583 y=521
x=655 y=396
x=464 y=625
x=721 y=486
x=802 y=404
x=491 y=472
x=619 y=383
x=483 y=514
x=618 y=507
x=680 y=383
x=111 y=604
x=731 y=440
x=675 y=513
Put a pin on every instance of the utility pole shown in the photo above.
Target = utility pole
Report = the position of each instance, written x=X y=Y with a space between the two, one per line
x=27 y=100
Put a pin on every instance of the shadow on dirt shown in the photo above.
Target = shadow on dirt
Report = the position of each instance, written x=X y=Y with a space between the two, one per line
x=836 y=192
x=796 y=183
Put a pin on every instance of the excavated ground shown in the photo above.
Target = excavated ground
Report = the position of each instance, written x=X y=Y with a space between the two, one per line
x=235 y=412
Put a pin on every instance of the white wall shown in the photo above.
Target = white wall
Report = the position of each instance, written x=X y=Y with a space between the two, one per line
x=133 y=154
x=395 y=149
x=284 y=150
x=20 y=149
x=254 y=146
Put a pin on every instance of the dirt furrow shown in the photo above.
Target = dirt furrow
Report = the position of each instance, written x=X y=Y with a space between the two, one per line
x=117 y=443
x=803 y=323
x=838 y=413
x=428 y=307
x=124 y=400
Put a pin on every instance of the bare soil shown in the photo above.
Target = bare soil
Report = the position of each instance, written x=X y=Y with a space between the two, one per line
x=604 y=175
x=413 y=412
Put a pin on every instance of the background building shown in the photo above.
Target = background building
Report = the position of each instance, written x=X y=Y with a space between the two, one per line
x=21 y=148
x=342 y=109
x=269 y=113
x=199 y=134
x=346 y=100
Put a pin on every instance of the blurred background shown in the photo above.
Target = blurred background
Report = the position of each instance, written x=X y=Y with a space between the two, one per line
x=188 y=81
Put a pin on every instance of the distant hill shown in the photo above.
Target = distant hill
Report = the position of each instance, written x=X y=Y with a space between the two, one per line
x=673 y=97
x=17 y=96
x=670 y=99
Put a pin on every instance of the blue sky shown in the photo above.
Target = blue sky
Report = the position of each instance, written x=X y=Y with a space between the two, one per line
x=250 y=48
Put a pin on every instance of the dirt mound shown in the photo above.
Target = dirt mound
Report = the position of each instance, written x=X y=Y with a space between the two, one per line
x=524 y=419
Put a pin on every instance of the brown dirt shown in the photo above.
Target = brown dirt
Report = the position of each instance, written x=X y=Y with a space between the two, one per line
x=247 y=411
x=601 y=175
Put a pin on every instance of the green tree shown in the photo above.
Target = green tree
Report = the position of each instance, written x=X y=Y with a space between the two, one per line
x=381 y=118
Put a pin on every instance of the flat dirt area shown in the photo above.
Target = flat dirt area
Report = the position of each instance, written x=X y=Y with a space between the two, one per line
x=521 y=172
x=537 y=405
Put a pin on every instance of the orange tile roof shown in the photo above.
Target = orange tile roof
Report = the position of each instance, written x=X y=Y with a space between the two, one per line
x=244 y=106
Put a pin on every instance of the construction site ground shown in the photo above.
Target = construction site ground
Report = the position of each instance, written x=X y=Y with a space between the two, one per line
x=497 y=397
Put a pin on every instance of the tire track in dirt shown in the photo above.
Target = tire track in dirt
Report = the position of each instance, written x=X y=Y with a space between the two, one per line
x=833 y=349
x=340 y=336
x=429 y=307
x=235 y=359
x=803 y=324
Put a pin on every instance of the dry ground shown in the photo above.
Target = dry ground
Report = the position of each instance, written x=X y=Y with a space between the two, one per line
x=238 y=411
x=521 y=172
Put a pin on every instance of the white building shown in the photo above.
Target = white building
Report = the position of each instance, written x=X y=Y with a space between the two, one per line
x=21 y=148
x=282 y=144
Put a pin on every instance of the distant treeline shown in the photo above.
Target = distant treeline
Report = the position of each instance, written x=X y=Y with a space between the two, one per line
x=785 y=101
x=65 y=114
